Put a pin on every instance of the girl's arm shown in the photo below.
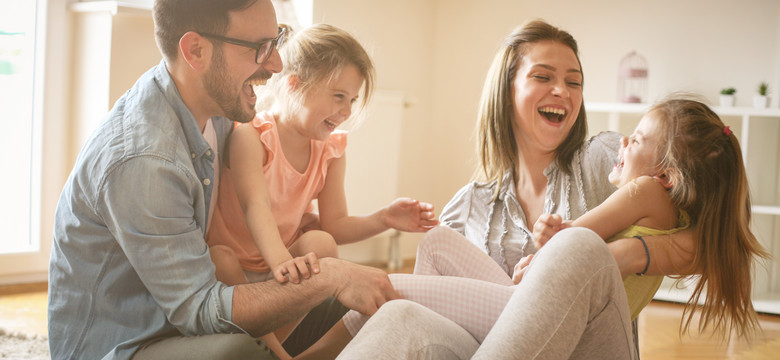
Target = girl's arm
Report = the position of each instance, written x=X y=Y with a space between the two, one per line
x=669 y=254
x=643 y=202
x=403 y=214
x=247 y=156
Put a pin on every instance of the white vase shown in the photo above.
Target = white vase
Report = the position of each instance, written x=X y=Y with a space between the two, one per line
x=726 y=100
x=761 y=101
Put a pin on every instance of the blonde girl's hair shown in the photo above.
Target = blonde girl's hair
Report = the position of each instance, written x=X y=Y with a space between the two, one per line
x=703 y=161
x=315 y=54
x=495 y=134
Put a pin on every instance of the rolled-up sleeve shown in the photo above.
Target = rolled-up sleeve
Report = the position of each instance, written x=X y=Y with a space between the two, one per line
x=156 y=221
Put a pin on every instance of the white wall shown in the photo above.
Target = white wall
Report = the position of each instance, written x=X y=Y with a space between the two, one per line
x=397 y=34
x=438 y=52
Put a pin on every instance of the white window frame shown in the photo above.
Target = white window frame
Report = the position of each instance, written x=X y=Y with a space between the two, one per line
x=49 y=142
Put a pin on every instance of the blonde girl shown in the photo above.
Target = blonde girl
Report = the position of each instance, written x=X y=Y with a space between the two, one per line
x=292 y=154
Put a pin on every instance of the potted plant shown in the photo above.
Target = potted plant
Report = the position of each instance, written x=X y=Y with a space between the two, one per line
x=761 y=100
x=727 y=96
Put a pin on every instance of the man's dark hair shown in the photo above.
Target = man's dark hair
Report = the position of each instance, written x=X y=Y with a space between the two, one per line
x=173 y=18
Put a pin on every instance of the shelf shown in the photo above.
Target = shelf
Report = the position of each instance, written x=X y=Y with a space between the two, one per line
x=624 y=108
x=627 y=108
x=763 y=303
x=766 y=210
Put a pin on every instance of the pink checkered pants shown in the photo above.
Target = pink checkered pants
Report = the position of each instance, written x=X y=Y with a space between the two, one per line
x=453 y=278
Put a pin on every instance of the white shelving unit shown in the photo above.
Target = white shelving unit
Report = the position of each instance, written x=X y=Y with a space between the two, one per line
x=758 y=131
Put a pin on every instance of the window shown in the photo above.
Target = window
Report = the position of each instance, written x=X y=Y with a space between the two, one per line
x=18 y=107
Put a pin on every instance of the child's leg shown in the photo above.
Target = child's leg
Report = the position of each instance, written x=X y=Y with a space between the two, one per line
x=229 y=271
x=317 y=241
x=320 y=243
x=473 y=304
x=443 y=251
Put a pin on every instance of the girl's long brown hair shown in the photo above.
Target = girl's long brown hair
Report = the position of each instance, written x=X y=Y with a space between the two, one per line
x=703 y=160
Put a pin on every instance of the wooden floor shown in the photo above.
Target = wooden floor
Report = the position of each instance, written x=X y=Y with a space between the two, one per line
x=23 y=309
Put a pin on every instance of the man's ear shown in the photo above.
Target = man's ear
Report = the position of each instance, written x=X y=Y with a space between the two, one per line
x=668 y=178
x=195 y=50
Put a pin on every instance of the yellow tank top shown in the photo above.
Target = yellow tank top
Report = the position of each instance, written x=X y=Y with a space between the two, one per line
x=641 y=289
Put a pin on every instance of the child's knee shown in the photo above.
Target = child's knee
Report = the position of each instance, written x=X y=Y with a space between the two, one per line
x=319 y=242
x=221 y=252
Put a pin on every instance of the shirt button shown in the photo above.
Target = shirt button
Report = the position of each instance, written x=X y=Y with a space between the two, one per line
x=193 y=155
x=208 y=152
x=206 y=182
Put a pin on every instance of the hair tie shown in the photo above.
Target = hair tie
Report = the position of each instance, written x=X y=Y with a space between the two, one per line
x=726 y=131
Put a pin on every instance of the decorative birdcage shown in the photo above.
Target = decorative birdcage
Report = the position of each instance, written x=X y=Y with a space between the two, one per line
x=632 y=79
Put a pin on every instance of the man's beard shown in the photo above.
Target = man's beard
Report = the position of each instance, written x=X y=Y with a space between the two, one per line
x=217 y=83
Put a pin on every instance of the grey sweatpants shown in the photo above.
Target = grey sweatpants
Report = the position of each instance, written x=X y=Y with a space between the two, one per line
x=570 y=305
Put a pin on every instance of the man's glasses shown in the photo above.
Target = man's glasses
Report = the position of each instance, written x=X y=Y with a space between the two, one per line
x=263 y=49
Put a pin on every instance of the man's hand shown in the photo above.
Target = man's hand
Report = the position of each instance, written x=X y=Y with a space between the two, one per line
x=359 y=287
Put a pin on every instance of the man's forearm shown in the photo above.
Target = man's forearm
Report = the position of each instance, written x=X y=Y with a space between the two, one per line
x=260 y=308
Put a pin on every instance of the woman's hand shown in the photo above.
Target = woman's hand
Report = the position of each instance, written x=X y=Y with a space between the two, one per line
x=296 y=268
x=520 y=268
x=546 y=226
x=407 y=214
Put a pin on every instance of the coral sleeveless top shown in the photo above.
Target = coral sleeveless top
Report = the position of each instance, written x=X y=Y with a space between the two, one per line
x=291 y=193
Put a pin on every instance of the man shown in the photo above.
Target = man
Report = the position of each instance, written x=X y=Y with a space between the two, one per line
x=130 y=273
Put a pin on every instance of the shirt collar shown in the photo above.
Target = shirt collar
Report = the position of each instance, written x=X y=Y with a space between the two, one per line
x=195 y=140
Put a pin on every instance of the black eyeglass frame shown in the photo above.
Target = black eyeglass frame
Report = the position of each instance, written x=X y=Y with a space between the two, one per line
x=257 y=46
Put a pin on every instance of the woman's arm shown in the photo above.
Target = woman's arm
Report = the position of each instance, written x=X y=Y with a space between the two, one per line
x=402 y=214
x=247 y=156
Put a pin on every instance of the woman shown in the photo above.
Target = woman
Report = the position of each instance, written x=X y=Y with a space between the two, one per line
x=534 y=161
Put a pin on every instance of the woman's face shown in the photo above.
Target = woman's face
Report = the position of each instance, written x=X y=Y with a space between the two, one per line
x=638 y=153
x=329 y=103
x=547 y=94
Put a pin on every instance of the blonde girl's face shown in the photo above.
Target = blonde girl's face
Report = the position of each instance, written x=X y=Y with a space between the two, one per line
x=547 y=94
x=638 y=153
x=328 y=104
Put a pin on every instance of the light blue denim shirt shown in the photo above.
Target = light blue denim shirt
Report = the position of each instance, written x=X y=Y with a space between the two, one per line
x=499 y=226
x=129 y=261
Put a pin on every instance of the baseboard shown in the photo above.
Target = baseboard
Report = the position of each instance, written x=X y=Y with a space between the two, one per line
x=26 y=278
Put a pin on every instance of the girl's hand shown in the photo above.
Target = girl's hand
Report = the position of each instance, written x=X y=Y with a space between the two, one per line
x=296 y=268
x=546 y=226
x=407 y=214
x=520 y=268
